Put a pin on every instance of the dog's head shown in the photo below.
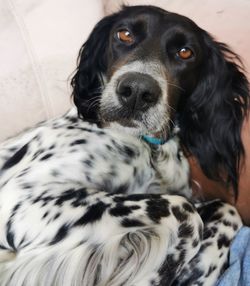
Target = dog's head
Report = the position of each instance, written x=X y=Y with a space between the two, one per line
x=135 y=66
x=143 y=65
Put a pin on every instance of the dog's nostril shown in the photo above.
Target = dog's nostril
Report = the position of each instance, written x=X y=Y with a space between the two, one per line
x=124 y=90
x=149 y=97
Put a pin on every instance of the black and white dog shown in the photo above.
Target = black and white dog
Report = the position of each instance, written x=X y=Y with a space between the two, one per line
x=97 y=201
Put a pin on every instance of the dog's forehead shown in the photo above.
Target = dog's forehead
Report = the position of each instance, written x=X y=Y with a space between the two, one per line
x=154 y=18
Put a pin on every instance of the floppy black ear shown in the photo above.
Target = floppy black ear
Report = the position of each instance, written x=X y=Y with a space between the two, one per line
x=212 y=119
x=87 y=82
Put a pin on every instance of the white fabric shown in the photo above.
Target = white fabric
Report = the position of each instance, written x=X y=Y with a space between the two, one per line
x=39 y=42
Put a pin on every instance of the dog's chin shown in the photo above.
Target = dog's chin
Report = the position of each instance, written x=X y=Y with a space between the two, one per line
x=134 y=128
x=137 y=124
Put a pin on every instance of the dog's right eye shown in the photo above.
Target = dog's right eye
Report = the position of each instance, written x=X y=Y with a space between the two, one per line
x=185 y=53
x=125 y=36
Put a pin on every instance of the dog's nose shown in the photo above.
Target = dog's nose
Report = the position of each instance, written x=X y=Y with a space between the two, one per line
x=138 y=91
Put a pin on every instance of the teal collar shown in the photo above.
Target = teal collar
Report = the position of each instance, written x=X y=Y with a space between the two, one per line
x=153 y=140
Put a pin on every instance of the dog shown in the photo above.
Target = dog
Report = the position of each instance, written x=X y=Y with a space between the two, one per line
x=101 y=195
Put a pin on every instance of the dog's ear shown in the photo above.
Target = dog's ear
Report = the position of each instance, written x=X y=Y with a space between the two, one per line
x=87 y=82
x=213 y=115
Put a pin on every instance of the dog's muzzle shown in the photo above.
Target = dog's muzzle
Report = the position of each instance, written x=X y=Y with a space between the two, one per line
x=137 y=91
x=136 y=97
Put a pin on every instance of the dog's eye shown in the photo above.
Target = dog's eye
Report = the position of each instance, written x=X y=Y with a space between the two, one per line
x=185 y=53
x=125 y=36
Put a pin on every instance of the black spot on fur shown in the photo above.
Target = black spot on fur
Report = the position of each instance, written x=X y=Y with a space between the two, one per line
x=157 y=208
x=195 y=274
x=208 y=211
x=223 y=241
x=183 y=254
x=26 y=186
x=93 y=214
x=61 y=234
x=71 y=194
x=129 y=152
x=235 y=226
x=88 y=163
x=180 y=215
x=168 y=271
x=224 y=267
x=217 y=216
x=78 y=142
x=39 y=152
x=195 y=243
x=47 y=156
x=72 y=119
x=120 y=210
x=232 y=212
x=44 y=199
x=136 y=197
x=182 y=244
x=121 y=189
x=45 y=214
x=108 y=147
x=10 y=236
x=135 y=171
x=16 y=158
x=210 y=270
x=205 y=245
x=132 y=223
x=208 y=233
x=70 y=127
x=52 y=147
x=185 y=230
x=189 y=208
x=134 y=207
x=227 y=223
x=56 y=216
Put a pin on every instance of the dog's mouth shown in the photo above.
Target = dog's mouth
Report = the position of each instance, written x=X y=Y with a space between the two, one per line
x=136 y=124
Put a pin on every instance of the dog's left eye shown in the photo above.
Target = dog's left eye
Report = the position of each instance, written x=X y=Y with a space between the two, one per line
x=125 y=36
x=185 y=53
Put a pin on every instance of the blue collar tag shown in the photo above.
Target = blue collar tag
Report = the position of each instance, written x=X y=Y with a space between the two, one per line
x=153 y=140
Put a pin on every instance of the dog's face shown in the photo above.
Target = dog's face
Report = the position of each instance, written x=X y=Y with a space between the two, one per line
x=154 y=58
x=147 y=60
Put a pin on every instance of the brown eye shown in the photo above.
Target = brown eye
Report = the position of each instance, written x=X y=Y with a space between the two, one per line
x=185 y=53
x=125 y=36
